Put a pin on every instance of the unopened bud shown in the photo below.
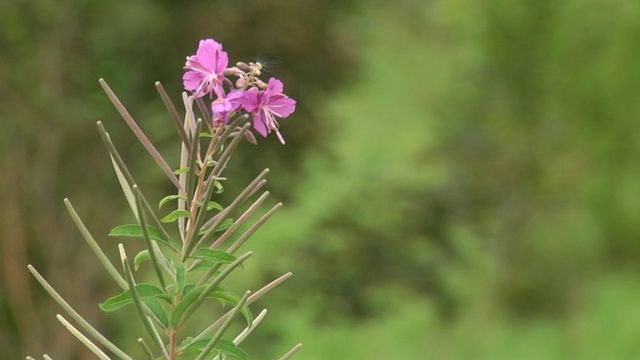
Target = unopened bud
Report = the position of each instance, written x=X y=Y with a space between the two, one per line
x=233 y=71
x=260 y=83
x=252 y=139
x=243 y=66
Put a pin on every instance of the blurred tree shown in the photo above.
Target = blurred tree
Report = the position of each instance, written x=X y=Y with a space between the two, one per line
x=486 y=156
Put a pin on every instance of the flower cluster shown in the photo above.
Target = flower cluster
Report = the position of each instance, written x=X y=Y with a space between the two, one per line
x=208 y=73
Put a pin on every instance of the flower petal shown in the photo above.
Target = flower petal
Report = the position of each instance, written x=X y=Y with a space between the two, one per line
x=259 y=125
x=192 y=80
x=274 y=86
x=250 y=99
x=281 y=105
x=211 y=56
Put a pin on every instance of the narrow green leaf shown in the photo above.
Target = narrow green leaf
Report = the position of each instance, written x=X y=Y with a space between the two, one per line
x=214 y=256
x=181 y=170
x=141 y=308
x=140 y=258
x=183 y=305
x=156 y=308
x=166 y=199
x=124 y=184
x=154 y=252
x=222 y=347
x=194 y=347
x=180 y=278
x=227 y=347
x=187 y=289
x=219 y=188
x=214 y=205
x=79 y=319
x=206 y=265
x=135 y=230
x=225 y=325
x=146 y=291
x=83 y=339
x=174 y=215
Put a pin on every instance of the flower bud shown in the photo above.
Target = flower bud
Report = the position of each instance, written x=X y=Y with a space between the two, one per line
x=243 y=66
x=250 y=137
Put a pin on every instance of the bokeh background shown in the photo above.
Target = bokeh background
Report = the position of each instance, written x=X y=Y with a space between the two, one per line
x=461 y=178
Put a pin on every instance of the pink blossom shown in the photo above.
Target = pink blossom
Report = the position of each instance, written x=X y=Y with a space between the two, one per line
x=223 y=106
x=205 y=69
x=265 y=105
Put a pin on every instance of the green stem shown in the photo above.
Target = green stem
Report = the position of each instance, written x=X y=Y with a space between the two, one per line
x=124 y=171
x=265 y=289
x=225 y=134
x=79 y=319
x=212 y=285
x=236 y=224
x=174 y=113
x=146 y=349
x=291 y=352
x=147 y=238
x=253 y=228
x=191 y=174
x=194 y=230
x=139 y=134
x=94 y=246
x=257 y=182
x=155 y=336
x=83 y=339
x=217 y=169
x=207 y=349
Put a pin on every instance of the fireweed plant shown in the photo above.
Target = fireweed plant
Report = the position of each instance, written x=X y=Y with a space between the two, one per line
x=191 y=260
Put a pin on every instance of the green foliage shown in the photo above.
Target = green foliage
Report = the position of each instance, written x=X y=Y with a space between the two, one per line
x=145 y=291
x=135 y=230
x=223 y=347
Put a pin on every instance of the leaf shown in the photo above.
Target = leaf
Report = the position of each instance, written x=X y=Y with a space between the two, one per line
x=140 y=258
x=180 y=278
x=223 y=347
x=135 y=230
x=219 y=188
x=187 y=289
x=225 y=225
x=181 y=170
x=145 y=291
x=226 y=347
x=166 y=199
x=174 y=215
x=194 y=347
x=214 y=205
x=214 y=256
x=205 y=134
x=205 y=265
x=124 y=184
x=157 y=309
x=183 y=305
x=226 y=296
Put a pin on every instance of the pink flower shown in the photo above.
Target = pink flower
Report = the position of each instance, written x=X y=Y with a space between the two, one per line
x=205 y=69
x=223 y=106
x=265 y=105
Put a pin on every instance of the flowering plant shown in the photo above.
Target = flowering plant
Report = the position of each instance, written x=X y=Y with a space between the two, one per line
x=192 y=261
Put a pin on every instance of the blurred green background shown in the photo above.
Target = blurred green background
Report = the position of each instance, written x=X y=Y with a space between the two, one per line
x=461 y=179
